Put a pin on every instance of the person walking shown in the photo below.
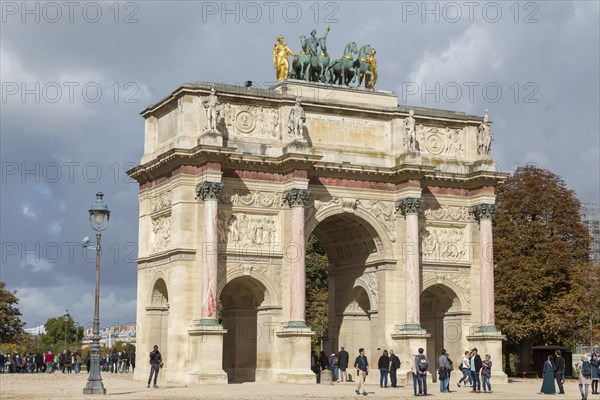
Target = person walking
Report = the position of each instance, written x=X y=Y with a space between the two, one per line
x=49 y=360
x=155 y=364
x=476 y=364
x=383 y=364
x=394 y=367
x=465 y=367
x=486 y=374
x=595 y=361
x=362 y=369
x=343 y=358
x=584 y=367
x=559 y=368
x=420 y=373
x=443 y=371
x=548 y=374
x=334 y=362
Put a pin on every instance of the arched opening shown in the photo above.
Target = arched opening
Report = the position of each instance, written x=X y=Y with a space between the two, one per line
x=246 y=343
x=353 y=249
x=441 y=317
x=157 y=315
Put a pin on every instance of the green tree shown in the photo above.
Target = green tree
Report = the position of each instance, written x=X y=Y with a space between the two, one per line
x=11 y=326
x=61 y=333
x=541 y=248
x=317 y=295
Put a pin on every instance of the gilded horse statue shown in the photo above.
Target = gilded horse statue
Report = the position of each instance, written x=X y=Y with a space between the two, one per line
x=341 y=71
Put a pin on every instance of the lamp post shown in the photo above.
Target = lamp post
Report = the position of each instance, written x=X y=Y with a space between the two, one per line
x=99 y=216
x=66 y=321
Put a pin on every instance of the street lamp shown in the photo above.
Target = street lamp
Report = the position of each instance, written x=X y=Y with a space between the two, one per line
x=99 y=216
x=66 y=320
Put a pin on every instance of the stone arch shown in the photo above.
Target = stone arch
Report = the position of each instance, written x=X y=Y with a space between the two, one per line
x=360 y=282
x=336 y=208
x=247 y=319
x=157 y=316
x=356 y=324
x=271 y=294
x=443 y=318
x=159 y=294
x=459 y=291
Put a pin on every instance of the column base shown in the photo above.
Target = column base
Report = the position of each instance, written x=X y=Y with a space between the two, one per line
x=94 y=387
x=294 y=352
x=411 y=337
x=206 y=349
x=488 y=340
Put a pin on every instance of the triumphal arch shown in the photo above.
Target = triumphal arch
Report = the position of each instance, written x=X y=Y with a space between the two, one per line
x=234 y=180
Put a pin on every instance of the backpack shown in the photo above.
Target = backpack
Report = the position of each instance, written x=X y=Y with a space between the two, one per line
x=450 y=365
x=443 y=374
x=586 y=369
x=396 y=363
x=422 y=363
x=336 y=360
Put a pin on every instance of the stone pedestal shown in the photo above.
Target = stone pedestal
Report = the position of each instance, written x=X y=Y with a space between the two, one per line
x=211 y=138
x=206 y=348
x=294 y=345
x=411 y=337
x=326 y=377
x=299 y=146
x=490 y=342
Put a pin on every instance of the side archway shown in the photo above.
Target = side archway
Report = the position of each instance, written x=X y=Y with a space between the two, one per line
x=157 y=317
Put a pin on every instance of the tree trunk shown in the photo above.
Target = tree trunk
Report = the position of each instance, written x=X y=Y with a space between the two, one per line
x=525 y=356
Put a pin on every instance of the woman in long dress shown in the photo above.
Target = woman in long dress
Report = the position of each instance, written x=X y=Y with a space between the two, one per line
x=548 y=383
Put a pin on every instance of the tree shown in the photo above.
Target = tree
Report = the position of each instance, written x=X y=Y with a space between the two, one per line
x=11 y=326
x=60 y=333
x=541 y=249
x=317 y=294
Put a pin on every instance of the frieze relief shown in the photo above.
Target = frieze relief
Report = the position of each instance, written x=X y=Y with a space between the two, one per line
x=241 y=228
x=440 y=141
x=253 y=198
x=445 y=212
x=245 y=120
x=462 y=281
x=161 y=201
x=443 y=244
x=161 y=233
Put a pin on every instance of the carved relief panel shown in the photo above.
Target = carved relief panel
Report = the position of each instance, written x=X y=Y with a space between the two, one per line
x=243 y=228
x=441 y=244
x=249 y=121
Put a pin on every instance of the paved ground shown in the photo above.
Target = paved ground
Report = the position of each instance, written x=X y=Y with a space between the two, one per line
x=60 y=386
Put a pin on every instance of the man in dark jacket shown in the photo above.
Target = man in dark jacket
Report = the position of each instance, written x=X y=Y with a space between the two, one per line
x=476 y=365
x=559 y=368
x=155 y=361
x=343 y=358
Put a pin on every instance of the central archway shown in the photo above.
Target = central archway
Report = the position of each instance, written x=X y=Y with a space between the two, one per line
x=354 y=250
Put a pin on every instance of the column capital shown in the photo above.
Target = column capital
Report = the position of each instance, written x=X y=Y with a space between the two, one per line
x=209 y=190
x=484 y=210
x=409 y=205
x=296 y=197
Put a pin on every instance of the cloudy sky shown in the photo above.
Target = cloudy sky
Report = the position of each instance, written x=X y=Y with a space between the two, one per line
x=76 y=75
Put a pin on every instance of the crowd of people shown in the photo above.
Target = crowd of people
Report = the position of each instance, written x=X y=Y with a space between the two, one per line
x=588 y=369
x=476 y=371
x=66 y=362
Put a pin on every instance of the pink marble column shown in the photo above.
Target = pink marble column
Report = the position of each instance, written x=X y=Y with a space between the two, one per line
x=483 y=212
x=209 y=192
x=410 y=208
x=297 y=199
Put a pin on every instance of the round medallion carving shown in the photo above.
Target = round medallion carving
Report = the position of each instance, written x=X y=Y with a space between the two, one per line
x=245 y=122
x=434 y=144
